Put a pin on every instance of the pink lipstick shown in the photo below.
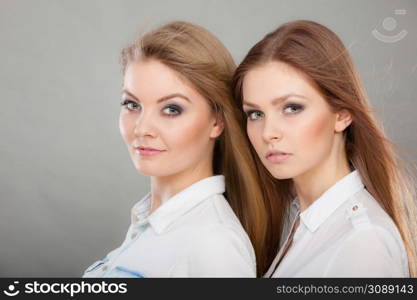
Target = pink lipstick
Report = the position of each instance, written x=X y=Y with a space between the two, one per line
x=147 y=151
x=276 y=156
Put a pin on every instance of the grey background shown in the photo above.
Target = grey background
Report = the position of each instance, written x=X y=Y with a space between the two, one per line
x=66 y=181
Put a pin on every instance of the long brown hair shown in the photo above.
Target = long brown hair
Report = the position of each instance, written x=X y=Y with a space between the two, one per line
x=200 y=58
x=320 y=54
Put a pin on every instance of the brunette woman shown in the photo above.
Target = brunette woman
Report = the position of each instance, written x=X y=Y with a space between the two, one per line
x=339 y=200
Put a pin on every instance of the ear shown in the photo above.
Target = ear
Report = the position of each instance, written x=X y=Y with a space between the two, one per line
x=343 y=120
x=217 y=128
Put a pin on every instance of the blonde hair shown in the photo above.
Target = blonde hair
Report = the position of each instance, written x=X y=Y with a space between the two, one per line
x=319 y=53
x=200 y=58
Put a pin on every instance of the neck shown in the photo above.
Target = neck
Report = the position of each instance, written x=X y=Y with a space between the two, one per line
x=165 y=187
x=310 y=185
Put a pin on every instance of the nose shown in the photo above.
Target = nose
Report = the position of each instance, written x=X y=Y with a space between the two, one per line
x=272 y=131
x=144 y=126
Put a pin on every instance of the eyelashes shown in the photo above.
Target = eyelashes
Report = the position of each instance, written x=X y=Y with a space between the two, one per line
x=254 y=114
x=288 y=110
x=130 y=105
x=293 y=108
x=170 y=110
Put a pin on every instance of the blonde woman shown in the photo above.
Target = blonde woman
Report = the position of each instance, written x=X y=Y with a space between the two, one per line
x=334 y=184
x=178 y=122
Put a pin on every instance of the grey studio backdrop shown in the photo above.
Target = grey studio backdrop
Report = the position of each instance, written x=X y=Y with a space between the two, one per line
x=67 y=183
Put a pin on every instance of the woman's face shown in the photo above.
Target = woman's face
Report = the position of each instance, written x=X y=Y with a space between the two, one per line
x=290 y=125
x=167 y=125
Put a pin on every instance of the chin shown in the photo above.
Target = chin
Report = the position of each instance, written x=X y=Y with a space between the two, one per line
x=144 y=169
x=281 y=174
x=152 y=171
x=147 y=171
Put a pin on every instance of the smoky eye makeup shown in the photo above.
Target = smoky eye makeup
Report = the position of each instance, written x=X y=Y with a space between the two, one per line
x=292 y=108
x=253 y=114
x=168 y=107
x=129 y=104
x=172 y=110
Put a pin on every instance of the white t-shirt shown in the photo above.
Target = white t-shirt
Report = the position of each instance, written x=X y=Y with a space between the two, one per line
x=193 y=234
x=344 y=233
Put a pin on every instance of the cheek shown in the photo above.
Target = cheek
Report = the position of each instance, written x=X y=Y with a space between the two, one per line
x=126 y=126
x=254 y=132
x=187 y=134
x=315 y=134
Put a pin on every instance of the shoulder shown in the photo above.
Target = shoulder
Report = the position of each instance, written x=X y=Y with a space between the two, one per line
x=218 y=244
x=221 y=236
x=372 y=239
x=221 y=250
x=210 y=222
x=216 y=214
x=368 y=252
x=218 y=225
x=221 y=210
x=364 y=214
x=372 y=245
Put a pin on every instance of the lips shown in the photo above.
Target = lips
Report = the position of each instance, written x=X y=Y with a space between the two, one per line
x=276 y=156
x=147 y=151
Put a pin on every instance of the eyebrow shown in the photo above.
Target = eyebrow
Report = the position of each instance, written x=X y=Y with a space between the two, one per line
x=162 y=99
x=275 y=101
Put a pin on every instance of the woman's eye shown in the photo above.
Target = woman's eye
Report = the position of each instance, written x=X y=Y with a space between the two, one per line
x=293 y=108
x=172 y=110
x=254 y=115
x=130 y=105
